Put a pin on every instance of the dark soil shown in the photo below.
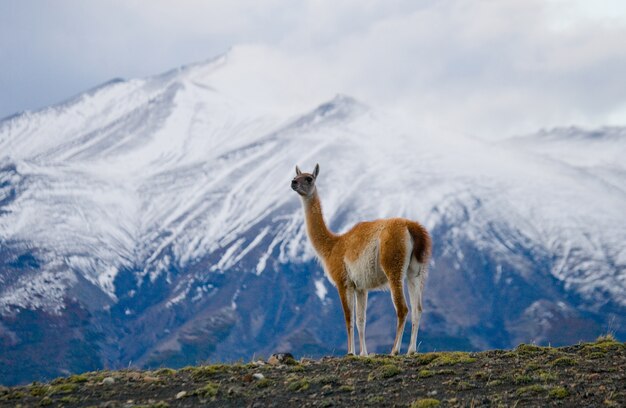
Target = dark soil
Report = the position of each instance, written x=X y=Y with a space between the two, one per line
x=588 y=374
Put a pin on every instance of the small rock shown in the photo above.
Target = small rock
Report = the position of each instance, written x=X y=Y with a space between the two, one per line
x=281 y=358
x=431 y=393
x=258 y=363
x=108 y=381
x=247 y=378
x=258 y=376
x=181 y=394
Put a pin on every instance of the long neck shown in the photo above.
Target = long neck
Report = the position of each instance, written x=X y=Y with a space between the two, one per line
x=321 y=237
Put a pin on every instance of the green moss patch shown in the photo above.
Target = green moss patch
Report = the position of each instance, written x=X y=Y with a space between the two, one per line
x=522 y=379
x=264 y=383
x=204 y=372
x=558 y=393
x=165 y=372
x=389 y=370
x=299 y=385
x=62 y=388
x=564 y=362
x=377 y=360
x=425 y=373
x=326 y=379
x=530 y=389
x=78 y=378
x=546 y=376
x=425 y=403
x=38 y=390
x=45 y=401
x=423 y=359
x=208 y=391
x=452 y=358
x=68 y=399
x=526 y=349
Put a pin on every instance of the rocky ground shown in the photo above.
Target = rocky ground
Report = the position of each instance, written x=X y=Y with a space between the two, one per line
x=587 y=374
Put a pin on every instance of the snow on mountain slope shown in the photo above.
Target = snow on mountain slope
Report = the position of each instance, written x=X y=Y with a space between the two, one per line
x=150 y=174
x=597 y=154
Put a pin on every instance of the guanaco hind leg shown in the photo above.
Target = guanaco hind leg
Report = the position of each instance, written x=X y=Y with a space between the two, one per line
x=395 y=254
x=416 y=277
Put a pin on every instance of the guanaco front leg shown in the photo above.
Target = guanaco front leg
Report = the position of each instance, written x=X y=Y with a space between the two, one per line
x=346 y=294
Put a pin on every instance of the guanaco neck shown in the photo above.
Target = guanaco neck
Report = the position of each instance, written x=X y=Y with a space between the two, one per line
x=321 y=237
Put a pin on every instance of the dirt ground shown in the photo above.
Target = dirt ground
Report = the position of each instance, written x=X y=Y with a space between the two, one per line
x=584 y=375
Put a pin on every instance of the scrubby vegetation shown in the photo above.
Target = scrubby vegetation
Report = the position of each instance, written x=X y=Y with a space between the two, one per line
x=587 y=374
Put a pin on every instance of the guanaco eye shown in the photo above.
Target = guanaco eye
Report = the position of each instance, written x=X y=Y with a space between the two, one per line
x=309 y=179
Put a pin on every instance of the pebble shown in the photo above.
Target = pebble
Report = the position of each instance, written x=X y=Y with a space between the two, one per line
x=181 y=394
x=258 y=363
x=108 y=381
x=258 y=376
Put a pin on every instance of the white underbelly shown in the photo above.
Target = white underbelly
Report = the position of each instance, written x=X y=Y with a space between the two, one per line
x=365 y=272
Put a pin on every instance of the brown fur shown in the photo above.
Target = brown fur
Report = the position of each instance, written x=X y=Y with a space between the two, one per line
x=335 y=250
x=421 y=241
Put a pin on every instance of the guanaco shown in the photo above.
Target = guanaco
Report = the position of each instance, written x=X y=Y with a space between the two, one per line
x=376 y=254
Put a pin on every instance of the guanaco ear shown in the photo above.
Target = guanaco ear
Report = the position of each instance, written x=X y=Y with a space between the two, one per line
x=316 y=171
x=298 y=171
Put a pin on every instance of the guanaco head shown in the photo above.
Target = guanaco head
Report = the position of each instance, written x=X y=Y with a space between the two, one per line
x=304 y=183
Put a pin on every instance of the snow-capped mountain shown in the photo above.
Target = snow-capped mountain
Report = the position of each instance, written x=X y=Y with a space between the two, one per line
x=150 y=222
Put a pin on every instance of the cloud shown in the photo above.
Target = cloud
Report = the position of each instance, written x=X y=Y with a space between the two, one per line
x=484 y=67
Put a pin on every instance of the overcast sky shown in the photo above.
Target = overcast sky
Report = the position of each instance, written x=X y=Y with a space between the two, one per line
x=486 y=67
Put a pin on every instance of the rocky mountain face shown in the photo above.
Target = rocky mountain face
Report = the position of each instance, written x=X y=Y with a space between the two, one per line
x=150 y=223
